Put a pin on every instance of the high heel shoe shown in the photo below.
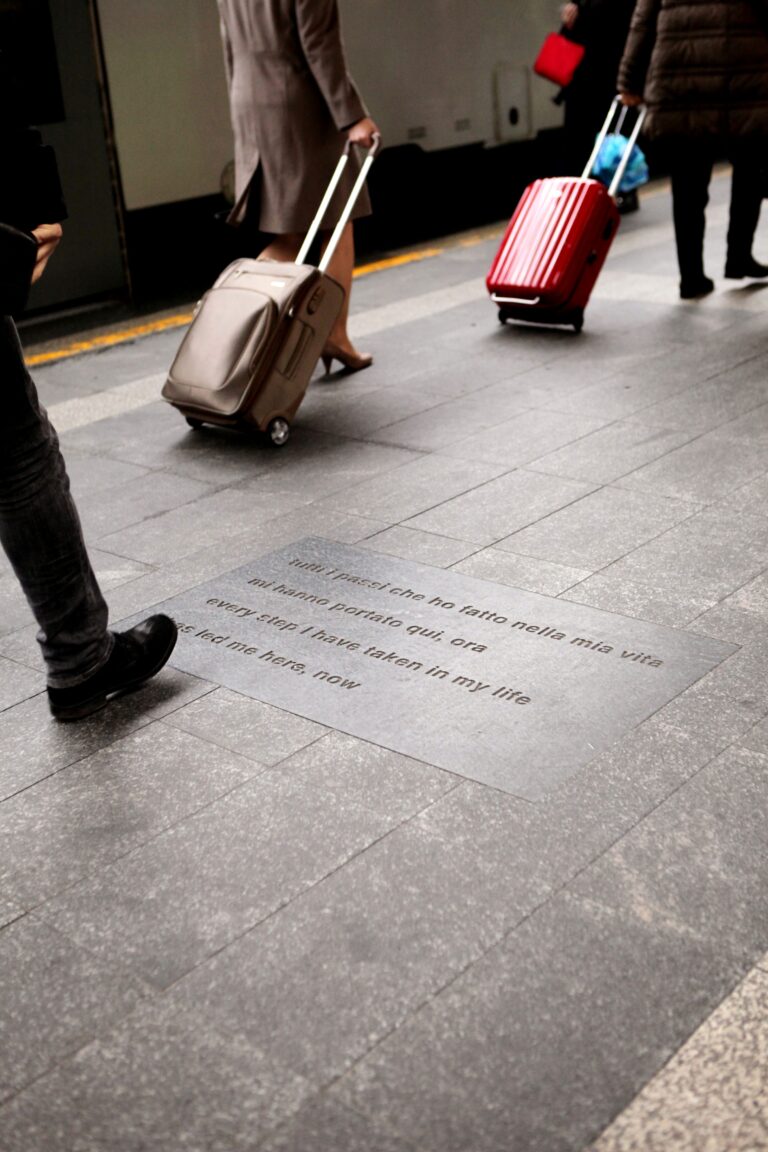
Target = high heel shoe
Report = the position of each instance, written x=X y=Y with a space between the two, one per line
x=351 y=361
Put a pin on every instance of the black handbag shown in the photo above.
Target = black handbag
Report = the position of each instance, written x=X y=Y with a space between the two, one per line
x=18 y=252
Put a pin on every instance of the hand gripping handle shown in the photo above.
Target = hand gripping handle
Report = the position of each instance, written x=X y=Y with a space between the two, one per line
x=618 y=175
x=314 y=227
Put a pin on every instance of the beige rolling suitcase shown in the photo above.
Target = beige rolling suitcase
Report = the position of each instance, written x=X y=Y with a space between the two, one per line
x=258 y=333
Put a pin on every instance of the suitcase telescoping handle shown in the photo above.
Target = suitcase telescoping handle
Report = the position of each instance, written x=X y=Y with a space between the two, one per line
x=618 y=175
x=314 y=227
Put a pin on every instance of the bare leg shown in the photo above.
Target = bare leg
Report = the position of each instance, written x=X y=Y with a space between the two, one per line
x=284 y=249
x=340 y=269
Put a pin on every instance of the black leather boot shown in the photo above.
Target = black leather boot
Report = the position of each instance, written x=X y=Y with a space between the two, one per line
x=740 y=269
x=136 y=656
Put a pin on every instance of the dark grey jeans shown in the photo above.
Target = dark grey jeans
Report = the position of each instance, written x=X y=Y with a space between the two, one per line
x=40 y=529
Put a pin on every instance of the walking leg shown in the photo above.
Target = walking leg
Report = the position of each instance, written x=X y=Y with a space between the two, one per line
x=40 y=529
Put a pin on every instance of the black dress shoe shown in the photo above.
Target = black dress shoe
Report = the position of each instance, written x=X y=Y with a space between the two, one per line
x=696 y=287
x=740 y=269
x=136 y=656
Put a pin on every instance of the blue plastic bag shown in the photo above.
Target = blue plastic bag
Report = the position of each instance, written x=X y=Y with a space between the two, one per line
x=609 y=157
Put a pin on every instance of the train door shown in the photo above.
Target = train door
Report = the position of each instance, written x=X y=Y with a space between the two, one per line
x=54 y=43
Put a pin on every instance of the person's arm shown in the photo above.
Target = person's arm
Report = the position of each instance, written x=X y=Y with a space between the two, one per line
x=638 y=51
x=320 y=33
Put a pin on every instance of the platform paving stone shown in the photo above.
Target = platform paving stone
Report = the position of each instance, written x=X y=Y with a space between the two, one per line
x=542 y=1040
x=522 y=439
x=611 y=452
x=9 y=911
x=248 y=727
x=414 y=487
x=192 y=890
x=500 y=507
x=137 y=501
x=166 y=1078
x=327 y=1126
x=56 y=997
x=682 y=865
x=664 y=603
x=426 y=547
x=704 y=470
x=521 y=571
x=713 y=1093
x=109 y=802
x=17 y=683
x=382 y=935
x=598 y=529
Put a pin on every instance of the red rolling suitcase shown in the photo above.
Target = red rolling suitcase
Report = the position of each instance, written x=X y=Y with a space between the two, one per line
x=556 y=243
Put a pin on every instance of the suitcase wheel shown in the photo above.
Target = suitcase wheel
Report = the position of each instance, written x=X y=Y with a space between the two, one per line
x=503 y=315
x=578 y=321
x=279 y=431
x=196 y=425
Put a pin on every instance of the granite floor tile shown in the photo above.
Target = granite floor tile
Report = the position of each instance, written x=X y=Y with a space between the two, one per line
x=524 y=438
x=520 y=571
x=704 y=470
x=598 y=529
x=366 y=774
x=381 y=936
x=539 y=1044
x=264 y=734
x=90 y=475
x=325 y=1125
x=166 y=1080
x=17 y=683
x=753 y=596
x=713 y=1093
x=500 y=507
x=56 y=997
x=681 y=866
x=9 y=911
x=357 y=418
x=710 y=554
x=424 y=547
x=111 y=801
x=416 y=486
x=104 y=513
x=439 y=427
x=756 y=739
x=611 y=452
x=707 y=405
x=661 y=603
x=190 y=892
x=173 y=535
x=751 y=498
x=156 y=436
x=622 y=395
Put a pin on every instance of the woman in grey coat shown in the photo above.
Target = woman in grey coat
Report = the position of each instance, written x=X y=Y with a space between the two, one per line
x=293 y=106
x=702 y=68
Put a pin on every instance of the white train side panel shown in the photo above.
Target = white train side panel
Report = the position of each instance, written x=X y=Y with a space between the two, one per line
x=437 y=73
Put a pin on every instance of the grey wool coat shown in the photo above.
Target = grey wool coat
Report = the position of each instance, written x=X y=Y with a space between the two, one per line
x=702 y=66
x=291 y=99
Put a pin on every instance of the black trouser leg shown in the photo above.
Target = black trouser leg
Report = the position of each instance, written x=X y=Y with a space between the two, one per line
x=40 y=530
x=746 y=199
x=691 y=170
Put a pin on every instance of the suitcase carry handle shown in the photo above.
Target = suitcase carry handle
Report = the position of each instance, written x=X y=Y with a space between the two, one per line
x=618 y=175
x=314 y=227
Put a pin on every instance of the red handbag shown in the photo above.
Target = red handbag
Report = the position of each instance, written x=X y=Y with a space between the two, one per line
x=558 y=59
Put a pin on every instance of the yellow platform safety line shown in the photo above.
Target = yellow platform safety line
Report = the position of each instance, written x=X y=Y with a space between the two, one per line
x=126 y=335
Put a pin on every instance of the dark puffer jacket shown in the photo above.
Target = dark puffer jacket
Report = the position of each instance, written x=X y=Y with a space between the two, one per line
x=701 y=65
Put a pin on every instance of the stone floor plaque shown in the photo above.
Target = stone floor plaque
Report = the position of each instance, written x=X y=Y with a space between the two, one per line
x=506 y=687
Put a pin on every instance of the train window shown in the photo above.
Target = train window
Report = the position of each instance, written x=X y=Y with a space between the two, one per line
x=26 y=37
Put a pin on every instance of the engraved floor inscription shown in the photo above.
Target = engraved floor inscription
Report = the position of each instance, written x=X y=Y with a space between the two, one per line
x=506 y=687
